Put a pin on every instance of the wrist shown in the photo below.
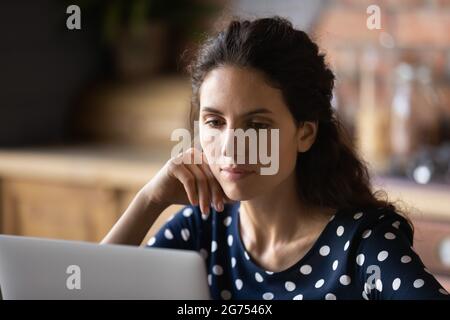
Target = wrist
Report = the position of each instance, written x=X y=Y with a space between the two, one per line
x=151 y=204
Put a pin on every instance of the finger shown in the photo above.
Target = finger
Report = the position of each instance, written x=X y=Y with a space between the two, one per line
x=192 y=158
x=202 y=188
x=216 y=190
x=185 y=176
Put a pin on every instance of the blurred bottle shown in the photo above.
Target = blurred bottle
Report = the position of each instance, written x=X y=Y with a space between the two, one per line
x=372 y=117
x=428 y=105
x=414 y=115
x=401 y=118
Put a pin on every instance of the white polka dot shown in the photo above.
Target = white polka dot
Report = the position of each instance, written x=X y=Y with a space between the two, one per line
x=298 y=297
x=268 y=296
x=168 y=234
x=258 y=277
x=289 y=285
x=210 y=279
x=366 y=234
x=306 y=269
x=389 y=236
x=364 y=295
x=379 y=285
x=405 y=259
x=226 y=295
x=346 y=245
x=382 y=255
x=213 y=246
x=217 y=270
x=246 y=255
x=441 y=290
x=360 y=259
x=330 y=296
x=185 y=234
x=204 y=253
x=233 y=262
x=335 y=264
x=381 y=217
x=396 y=284
x=340 y=231
x=227 y=221
x=230 y=240
x=396 y=224
x=324 y=250
x=358 y=215
x=238 y=284
x=269 y=272
x=319 y=283
x=418 y=283
x=187 y=212
x=345 y=280
x=368 y=287
x=151 y=241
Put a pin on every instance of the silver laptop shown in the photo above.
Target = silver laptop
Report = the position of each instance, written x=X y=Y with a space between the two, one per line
x=34 y=268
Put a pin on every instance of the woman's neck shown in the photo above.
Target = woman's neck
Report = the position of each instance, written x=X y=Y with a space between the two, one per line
x=279 y=218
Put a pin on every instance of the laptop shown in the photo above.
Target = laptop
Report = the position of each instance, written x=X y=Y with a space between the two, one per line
x=35 y=268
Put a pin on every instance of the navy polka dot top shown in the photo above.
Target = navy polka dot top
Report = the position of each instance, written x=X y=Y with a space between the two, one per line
x=360 y=254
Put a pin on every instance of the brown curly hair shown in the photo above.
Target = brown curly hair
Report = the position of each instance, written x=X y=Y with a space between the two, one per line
x=330 y=173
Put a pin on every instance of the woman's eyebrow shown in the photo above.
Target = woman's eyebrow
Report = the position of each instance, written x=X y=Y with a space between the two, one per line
x=249 y=113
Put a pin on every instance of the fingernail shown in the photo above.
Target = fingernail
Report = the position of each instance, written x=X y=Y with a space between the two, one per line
x=220 y=206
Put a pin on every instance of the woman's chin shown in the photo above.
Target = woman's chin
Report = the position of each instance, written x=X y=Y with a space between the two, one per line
x=241 y=189
x=236 y=194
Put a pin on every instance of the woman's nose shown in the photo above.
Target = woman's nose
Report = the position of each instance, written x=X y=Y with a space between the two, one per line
x=232 y=148
x=228 y=144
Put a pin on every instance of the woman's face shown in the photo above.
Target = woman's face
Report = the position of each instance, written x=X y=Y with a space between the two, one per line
x=240 y=98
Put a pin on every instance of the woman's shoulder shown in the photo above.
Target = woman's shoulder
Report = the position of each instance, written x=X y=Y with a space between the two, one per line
x=373 y=223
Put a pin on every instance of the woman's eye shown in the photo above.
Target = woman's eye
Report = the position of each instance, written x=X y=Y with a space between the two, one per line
x=259 y=125
x=213 y=123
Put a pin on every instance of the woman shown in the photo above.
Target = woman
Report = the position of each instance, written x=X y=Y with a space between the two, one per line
x=312 y=230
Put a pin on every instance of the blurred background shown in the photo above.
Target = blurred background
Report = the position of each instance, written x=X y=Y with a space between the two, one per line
x=86 y=115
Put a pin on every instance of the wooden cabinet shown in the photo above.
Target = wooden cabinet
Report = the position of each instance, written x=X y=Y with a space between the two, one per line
x=64 y=196
x=78 y=192
x=42 y=209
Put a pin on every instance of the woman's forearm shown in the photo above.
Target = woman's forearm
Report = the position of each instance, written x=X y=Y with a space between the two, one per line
x=135 y=222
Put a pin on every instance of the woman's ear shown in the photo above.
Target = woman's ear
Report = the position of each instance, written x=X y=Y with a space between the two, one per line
x=306 y=135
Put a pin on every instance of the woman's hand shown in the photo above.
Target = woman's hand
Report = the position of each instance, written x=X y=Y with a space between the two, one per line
x=184 y=179
x=180 y=181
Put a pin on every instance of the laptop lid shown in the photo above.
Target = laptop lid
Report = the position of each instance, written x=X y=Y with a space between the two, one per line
x=35 y=268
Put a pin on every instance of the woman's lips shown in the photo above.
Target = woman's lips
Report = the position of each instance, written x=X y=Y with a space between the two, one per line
x=235 y=173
